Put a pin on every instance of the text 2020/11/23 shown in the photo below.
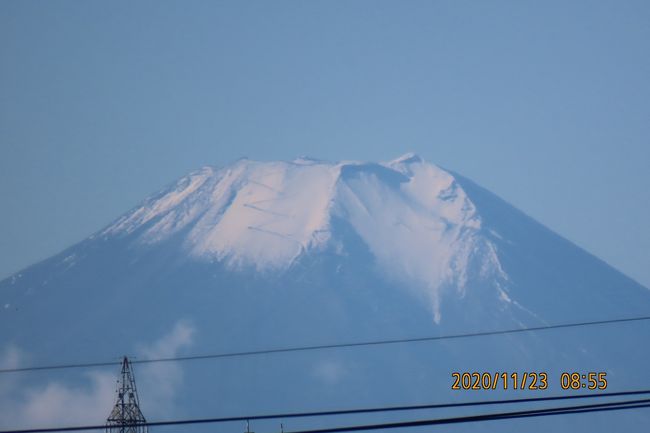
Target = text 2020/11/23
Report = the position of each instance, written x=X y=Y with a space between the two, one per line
x=527 y=380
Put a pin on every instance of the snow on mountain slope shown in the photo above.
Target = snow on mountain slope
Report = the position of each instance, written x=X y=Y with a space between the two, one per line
x=417 y=221
x=260 y=255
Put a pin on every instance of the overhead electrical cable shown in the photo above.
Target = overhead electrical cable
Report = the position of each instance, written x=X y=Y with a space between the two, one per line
x=632 y=404
x=327 y=346
x=617 y=405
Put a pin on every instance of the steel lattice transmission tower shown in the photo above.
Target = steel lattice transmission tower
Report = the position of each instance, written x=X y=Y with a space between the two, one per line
x=126 y=416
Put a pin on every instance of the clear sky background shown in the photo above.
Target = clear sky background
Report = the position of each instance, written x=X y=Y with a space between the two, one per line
x=545 y=103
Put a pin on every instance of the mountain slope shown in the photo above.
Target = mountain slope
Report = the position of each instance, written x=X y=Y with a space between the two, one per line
x=269 y=254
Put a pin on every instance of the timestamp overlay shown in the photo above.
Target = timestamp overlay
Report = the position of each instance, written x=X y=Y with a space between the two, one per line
x=527 y=380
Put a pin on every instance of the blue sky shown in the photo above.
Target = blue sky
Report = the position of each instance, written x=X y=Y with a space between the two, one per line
x=547 y=104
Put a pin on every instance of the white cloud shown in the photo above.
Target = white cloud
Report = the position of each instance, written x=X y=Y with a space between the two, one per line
x=159 y=381
x=11 y=357
x=329 y=371
x=58 y=403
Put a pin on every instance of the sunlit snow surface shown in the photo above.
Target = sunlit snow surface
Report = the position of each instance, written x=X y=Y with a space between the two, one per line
x=260 y=255
x=415 y=218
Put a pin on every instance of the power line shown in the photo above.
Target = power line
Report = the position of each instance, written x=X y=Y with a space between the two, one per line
x=631 y=404
x=326 y=346
x=379 y=409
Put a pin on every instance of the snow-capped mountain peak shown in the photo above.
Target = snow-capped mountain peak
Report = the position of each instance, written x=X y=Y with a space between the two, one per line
x=418 y=223
x=280 y=254
x=407 y=158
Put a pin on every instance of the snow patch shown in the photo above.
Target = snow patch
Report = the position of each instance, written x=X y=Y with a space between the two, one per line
x=414 y=217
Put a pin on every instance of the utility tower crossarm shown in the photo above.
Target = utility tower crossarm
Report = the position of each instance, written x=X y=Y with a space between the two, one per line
x=126 y=416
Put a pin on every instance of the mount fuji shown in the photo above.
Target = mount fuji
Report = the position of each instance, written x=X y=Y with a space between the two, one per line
x=258 y=255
